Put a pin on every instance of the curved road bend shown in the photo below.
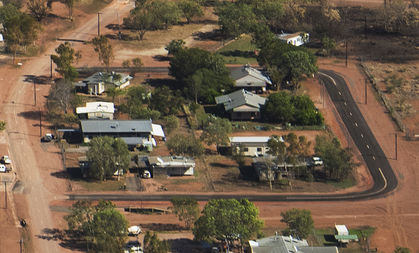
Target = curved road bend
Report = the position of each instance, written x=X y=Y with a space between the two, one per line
x=384 y=178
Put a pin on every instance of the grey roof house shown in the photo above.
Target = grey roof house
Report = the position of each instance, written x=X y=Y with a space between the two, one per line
x=287 y=244
x=97 y=83
x=249 y=78
x=136 y=133
x=242 y=104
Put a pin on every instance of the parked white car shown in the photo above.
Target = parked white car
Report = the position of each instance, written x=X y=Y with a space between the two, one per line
x=134 y=230
x=3 y=168
x=6 y=160
x=317 y=161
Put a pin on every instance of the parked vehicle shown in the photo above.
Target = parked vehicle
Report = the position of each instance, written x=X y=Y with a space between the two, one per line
x=3 y=168
x=133 y=247
x=317 y=161
x=5 y=160
x=146 y=174
x=48 y=137
x=134 y=230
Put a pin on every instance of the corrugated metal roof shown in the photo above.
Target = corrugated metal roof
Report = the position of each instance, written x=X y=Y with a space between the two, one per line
x=105 y=77
x=246 y=70
x=239 y=98
x=116 y=126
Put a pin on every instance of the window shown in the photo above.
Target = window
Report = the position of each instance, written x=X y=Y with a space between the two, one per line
x=245 y=149
x=259 y=149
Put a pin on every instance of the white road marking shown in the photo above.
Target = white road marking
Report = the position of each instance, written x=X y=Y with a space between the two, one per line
x=373 y=158
x=362 y=136
x=356 y=124
x=333 y=80
x=368 y=146
x=350 y=113
x=340 y=93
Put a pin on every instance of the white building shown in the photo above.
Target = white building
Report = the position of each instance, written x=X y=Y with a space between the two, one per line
x=296 y=39
x=251 y=145
x=96 y=110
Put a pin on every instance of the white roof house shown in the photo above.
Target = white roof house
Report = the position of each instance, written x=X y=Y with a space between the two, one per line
x=286 y=244
x=171 y=165
x=341 y=230
x=97 y=110
x=247 y=77
x=296 y=39
x=251 y=145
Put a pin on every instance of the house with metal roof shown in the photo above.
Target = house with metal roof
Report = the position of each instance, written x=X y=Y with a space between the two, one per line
x=96 y=110
x=97 y=83
x=250 y=145
x=296 y=39
x=242 y=104
x=249 y=78
x=136 y=133
x=287 y=244
x=171 y=166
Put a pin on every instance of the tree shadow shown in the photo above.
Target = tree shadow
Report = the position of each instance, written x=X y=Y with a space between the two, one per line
x=220 y=165
x=42 y=79
x=214 y=35
x=33 y=115
x=60 y=174
x=239 y=53
x=52 y=15
x=185 y=245
x=161 y=57
x=160 y=82
x=159 y=227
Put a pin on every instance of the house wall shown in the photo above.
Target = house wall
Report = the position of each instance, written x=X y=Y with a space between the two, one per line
x=245 y=115
x=252 y=149
x=100 y=115
x=88 y=136
x=96 y=88
x=124 y=84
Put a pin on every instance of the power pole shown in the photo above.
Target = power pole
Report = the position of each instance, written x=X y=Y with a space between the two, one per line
x=98 y=24
x=5 y=193
x=366 y=92
x=50 y=69
x=346 y=53
x=40 y=122
x=34 y=91
x=395 y=144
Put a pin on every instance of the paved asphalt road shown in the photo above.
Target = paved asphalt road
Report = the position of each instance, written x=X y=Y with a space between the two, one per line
x=384 y=178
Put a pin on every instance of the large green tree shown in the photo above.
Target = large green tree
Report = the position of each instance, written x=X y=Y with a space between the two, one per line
x=38 y=8
x=20 y=29
x=338 y=162
x=104 y=50
x=216 y=131
x=185 y=145
x=102 y=227
x=228 y=219
x=201 y=75
x=152 y=244
x=65 y=58
x=186 y=209
x=140 y=20
x=106 y=155
x=166 y=101
x=190 y=9
x=283 y=107
x=299 y=222
x=235 y=18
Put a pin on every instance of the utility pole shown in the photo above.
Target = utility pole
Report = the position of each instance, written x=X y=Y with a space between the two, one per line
x=34 y=90
x=395 y=144
x=98 y=24
x=5 y=193
x=40 y=122
x=346 y=53
x=21 y=245
x=366 y=92
x=50 y=69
